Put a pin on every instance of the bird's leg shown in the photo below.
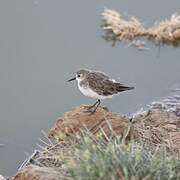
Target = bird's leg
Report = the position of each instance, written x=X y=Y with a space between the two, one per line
x=98 y=102
x=90 y=107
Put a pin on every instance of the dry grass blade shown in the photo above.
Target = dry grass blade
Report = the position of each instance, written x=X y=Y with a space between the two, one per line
x=46 y=136
x=30 y=159
x=43 y=142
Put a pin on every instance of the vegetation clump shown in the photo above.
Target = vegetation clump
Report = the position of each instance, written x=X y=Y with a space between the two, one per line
x=88 y=156
x=166 y=31
x=123 y=29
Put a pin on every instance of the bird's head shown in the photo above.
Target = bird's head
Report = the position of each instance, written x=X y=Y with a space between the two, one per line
x=80 y=75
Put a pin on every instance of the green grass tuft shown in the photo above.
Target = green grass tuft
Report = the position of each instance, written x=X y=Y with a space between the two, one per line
x=100 y=157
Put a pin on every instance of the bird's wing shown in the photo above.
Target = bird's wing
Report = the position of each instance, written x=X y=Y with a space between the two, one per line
x=102 y=84
x=101 y=74
x=105 y=86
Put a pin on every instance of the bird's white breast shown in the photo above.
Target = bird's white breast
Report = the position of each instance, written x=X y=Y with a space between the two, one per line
x=90 y=93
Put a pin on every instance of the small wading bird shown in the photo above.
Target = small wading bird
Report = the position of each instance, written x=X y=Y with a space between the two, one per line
x=97 y=85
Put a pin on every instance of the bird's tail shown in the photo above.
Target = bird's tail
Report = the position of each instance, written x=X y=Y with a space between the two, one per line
x=121 y=87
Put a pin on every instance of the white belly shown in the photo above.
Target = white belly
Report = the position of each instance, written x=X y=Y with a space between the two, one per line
x=88 y=92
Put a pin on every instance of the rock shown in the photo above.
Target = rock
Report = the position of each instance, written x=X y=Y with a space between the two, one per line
x=157 y=127
x=37 y=173
x=79 y=118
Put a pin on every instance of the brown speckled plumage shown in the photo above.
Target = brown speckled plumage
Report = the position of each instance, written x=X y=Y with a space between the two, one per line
x=101 y=83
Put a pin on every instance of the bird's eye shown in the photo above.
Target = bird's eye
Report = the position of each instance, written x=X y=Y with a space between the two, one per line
x=78 y=75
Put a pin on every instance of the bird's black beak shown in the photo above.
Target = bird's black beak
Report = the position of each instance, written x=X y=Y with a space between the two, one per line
x=72 y=79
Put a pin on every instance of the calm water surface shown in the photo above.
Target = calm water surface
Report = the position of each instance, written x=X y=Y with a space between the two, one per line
x=43 y=43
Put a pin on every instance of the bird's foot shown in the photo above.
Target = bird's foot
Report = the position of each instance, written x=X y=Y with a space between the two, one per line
x=90 y=109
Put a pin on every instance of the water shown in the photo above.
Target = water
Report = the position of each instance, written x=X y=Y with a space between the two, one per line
x=170 y=103
x=43 y=43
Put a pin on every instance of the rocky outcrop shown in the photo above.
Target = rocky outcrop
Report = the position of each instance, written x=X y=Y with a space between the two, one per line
x=79 y=118
x=157 y=127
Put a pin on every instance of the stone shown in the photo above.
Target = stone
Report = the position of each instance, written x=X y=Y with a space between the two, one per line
x=79 y=118
x=33 y=172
